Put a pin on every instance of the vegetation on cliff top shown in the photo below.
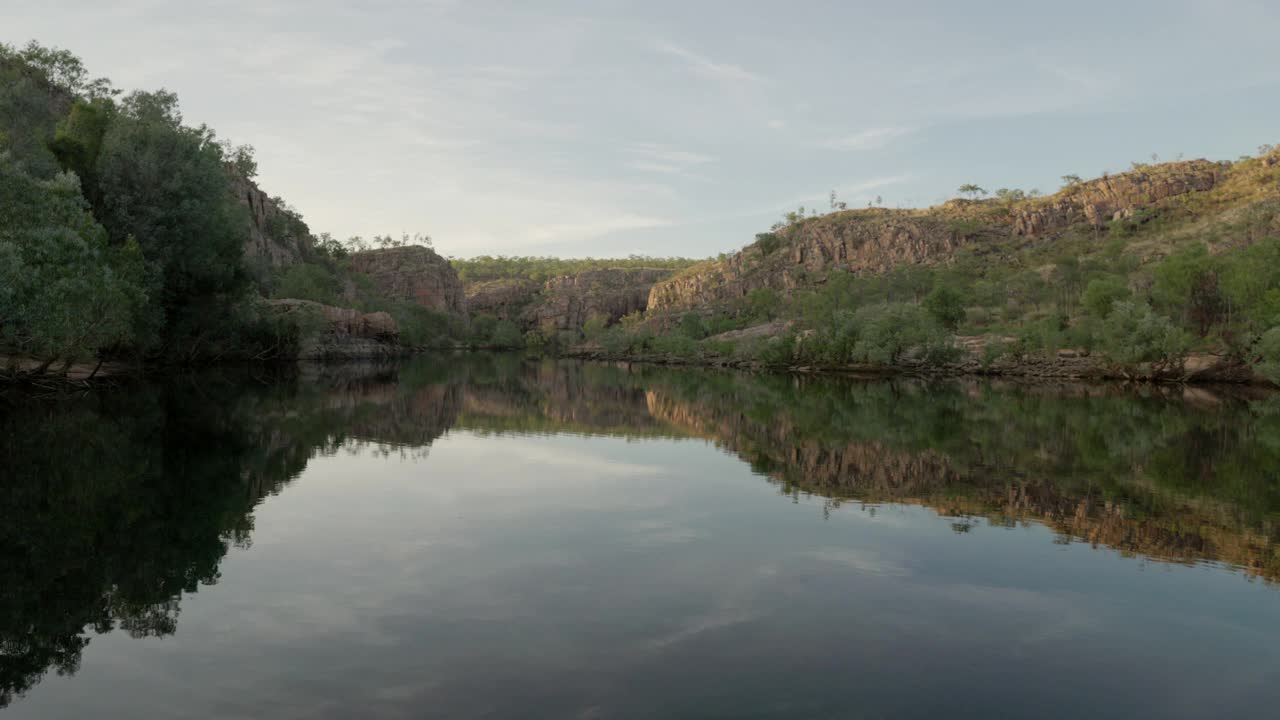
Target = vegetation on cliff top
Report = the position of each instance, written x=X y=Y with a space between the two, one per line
x=541 y=268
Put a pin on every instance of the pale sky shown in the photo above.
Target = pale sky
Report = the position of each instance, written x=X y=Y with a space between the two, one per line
x=607 y=127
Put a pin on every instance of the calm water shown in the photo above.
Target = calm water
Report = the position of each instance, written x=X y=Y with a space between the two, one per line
x=482 y=536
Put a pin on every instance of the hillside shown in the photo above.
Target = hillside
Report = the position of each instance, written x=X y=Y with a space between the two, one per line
x=1137 y=270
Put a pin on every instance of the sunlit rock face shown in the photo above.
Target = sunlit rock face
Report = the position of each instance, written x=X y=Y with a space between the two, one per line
x=878 y=240
x=415 y=274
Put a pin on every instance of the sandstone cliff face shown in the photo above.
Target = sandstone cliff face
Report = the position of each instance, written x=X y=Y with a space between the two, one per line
x=878 y=240
x=1100 y=201
x=334 y=332
x=415 y=274
x=276 y=238
x=859 y=241
x=505 y=299
x=567 y=302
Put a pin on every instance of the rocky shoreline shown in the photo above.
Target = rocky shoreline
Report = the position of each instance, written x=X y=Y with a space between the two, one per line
x=1197 y=369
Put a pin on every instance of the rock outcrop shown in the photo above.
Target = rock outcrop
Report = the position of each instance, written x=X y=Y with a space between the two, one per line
x=875 y=241
x=859 y=241
x=567 y=302
x=414 y=274
x=1114 y=197
x=505 y=299
x=334 y=332
x=277 y=236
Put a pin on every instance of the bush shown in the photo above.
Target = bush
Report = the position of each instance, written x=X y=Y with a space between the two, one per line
x=1102 y=293
x=946 y=306
x=886 y=332
x=676 y=345
x=1133 y=334
x=1268 y=364
x=307 y=281
x=506 y=335
x=768 y=242
x=595 y=325
x=692 y=326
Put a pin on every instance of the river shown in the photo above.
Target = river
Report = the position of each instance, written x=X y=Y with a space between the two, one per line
x=479 y=535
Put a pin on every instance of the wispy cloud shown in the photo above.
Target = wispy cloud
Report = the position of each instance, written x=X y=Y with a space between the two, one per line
x=652 y=157
x=595 y=227
x=854 y=191
x=717 y=71
x=872 y=139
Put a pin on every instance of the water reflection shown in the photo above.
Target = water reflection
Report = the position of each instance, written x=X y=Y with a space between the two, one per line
x=116 y=504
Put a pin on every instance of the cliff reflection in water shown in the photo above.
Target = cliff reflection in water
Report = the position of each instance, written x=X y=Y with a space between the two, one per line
x=116 y=504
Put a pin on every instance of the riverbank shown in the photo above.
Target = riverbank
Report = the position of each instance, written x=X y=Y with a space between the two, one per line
x=1200 y=368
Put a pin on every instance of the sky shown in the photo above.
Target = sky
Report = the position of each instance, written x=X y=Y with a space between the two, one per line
x=610 y=127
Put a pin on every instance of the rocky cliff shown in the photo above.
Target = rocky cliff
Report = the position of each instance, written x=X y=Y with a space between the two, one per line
x=877 y=240
x=505 y=299
x=414 y=274
x=1115 y=197
x=567 y=302
x=277 y=236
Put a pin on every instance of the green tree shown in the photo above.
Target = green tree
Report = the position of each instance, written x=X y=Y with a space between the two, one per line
x=165 y=184
x=595 y=325
x=1133 y=334
x=506 y=335
x=1186 y=283
x=692 y=326
x=971 y=190
x=1102 y=293
x=67 y=294
x=946 y=305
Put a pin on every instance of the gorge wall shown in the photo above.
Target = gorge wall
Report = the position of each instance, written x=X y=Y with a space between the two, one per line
x=568 y=301
x=877 y=240
x=278 y=238
x=413 y=274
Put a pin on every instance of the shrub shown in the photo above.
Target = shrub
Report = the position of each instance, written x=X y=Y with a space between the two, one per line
x=1268 y=364
x=307 y=281
x=946 y=306
x=1102 y=293
x=506 y=335
x=677 y=345
x=692 y=326
x=886 y=332
x=1133 y=334
x=482 y=327
x=768 y=242
x=595 y=325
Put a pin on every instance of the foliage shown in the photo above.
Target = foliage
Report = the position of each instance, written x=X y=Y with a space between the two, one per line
x=766 y=243
x=506 y=335
x=1102 y=293
x=67 y=293
x=692 y=326
x=946 y=305
x=1187 y=281
x=1134 y=334
x=163 y=183
x=1268 y=362
x=595 y=325
x=308 y=281
x=539 y=269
